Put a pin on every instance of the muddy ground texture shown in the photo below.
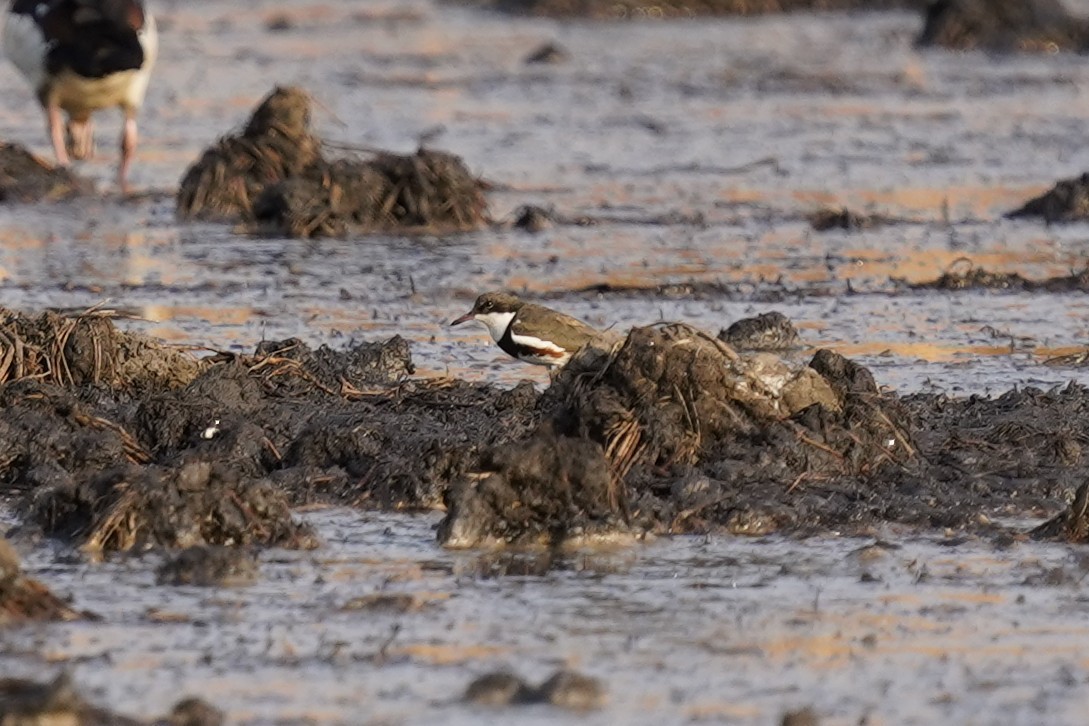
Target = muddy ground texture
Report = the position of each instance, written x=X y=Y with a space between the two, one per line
x=24 y=702
x=114 y=442
x=994 y=25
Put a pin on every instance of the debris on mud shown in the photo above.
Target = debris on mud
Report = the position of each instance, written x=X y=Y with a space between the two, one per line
x=87 y=349
x=26 y=178
x=1067 y=201
x=566 y=689
x=276 y=144
x=668 y=429
x=195 y=503
x=24 y=703
x=1071 y=525
x=429 y=191
x=548 y=490
x=534 y=219
x=978 y=278
x=1003 y=26
x=766 y=331
x=23 y=599
x=613 y=9
x=205 y=566
x=802 y=717
x=668 y=402
x=115 y=465
x=548 y=53
x=340 y=372
x=274 y=175
x=843 y=218
x=1078 y=359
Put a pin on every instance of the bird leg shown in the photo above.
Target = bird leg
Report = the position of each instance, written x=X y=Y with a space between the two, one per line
x=128 y=147
x=81 y=137
x=56 y=133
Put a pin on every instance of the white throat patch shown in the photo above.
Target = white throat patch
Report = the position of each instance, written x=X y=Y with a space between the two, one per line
x=497 y=323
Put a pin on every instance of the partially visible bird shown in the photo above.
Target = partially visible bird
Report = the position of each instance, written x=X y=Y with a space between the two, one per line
x=81 y=56
x=529 y=332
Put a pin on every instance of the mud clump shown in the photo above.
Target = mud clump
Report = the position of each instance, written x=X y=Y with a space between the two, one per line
x=217 y=461
x=274 y=177
x=24 y=599
x=275 y=145
x=333 y=371
x=547 y=490
x=209 y=567
x=24 y=703
x=683 y=423
x=978 y=278
x=26 y=178
x=827 y=219
x=429 y=192
x=767 y=331
x=196 y=503
x=87 y=349
x=565 y=689
x=1003 y=26
x=1071 y=525
x=1067 y=201
x=611 y=9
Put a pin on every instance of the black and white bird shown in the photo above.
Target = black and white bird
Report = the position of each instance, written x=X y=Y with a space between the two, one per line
x=530 y=333
x=81 y=56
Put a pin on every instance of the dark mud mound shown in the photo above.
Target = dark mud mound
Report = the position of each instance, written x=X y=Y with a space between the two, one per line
x=547 y=490
x=978 y=278
x=566 y=689
x=276 y=144
x=767 y=331
x=614 y=9
x=843 y=218
x=1020 y=454
x=215 y=461
x=275 y=175
x=27 y=703
x=23 y=599
x=695 y=437
x=404 y=448
x=427 y=192
x=1003 y=26
x=1071 y=525
x=1067 y=201
x=26 y=178
x=196 y=503
x=87 y=349
x=209 y=567
x=291 y=364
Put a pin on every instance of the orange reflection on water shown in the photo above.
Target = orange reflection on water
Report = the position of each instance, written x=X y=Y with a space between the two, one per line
x=925 y=265
x=929 y=352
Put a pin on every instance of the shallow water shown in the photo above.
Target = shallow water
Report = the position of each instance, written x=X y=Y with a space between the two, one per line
x=700 y=147
x=687 y=630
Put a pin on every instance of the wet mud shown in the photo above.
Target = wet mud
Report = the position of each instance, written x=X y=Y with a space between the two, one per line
x=1067 y=201
x=26 y=178
x=907 y=463
x=28 y=703
x=667 y=430
x=605 y=10
x=24 y=599
x=1004 y=26
x=275 y=175
x=566 y=689
x=965 y=276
